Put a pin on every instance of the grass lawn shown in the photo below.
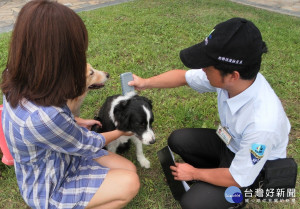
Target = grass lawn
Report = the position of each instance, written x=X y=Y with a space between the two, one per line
x=145 y=37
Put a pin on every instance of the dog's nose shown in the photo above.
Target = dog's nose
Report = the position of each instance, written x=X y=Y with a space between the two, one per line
x=107 y=75
x=152 y=141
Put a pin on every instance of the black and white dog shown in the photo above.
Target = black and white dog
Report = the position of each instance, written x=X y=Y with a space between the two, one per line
x=128 y=113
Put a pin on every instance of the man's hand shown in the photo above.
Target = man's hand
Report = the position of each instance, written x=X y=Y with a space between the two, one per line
x=183 y=171
x=138 y=83
x=216 y=176
x=87 y=123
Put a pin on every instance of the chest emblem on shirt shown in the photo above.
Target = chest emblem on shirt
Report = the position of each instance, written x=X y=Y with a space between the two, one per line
x=257 y=152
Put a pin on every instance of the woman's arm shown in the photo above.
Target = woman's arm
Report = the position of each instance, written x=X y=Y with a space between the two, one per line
x=109 y=136
x=113 y=135
x=87 y=123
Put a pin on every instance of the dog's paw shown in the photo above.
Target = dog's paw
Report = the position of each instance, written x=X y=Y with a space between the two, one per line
x=144 y=163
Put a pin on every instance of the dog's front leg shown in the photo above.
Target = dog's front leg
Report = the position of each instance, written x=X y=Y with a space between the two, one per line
x=144 y=162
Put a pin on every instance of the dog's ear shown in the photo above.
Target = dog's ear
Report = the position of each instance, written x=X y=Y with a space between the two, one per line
x=147 y=101
x=121 y=106
x=124 y=123
x=121 y=115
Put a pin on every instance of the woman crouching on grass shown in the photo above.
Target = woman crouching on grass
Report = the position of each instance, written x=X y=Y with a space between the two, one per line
x=59 y=163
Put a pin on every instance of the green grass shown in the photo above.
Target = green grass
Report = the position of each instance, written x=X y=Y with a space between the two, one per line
x=145 y=37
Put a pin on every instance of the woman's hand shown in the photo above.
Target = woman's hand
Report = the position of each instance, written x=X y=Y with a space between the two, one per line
x=87 y=123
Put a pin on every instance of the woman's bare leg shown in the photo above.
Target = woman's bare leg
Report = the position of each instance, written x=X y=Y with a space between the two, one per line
x=120 y=185
x=113 y=160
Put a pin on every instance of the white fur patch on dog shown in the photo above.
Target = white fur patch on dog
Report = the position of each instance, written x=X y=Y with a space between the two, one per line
x=148 y=135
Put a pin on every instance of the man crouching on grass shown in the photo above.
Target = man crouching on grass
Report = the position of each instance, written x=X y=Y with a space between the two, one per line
x=254 y=127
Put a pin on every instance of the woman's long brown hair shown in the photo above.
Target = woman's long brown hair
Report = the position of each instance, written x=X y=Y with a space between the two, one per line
x=47 y=57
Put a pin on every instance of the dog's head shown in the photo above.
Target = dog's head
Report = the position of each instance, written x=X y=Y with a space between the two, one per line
x=95 y=79
x=134 y=113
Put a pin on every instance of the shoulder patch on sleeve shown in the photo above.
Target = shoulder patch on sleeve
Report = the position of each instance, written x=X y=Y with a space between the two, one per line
x=257 y=152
